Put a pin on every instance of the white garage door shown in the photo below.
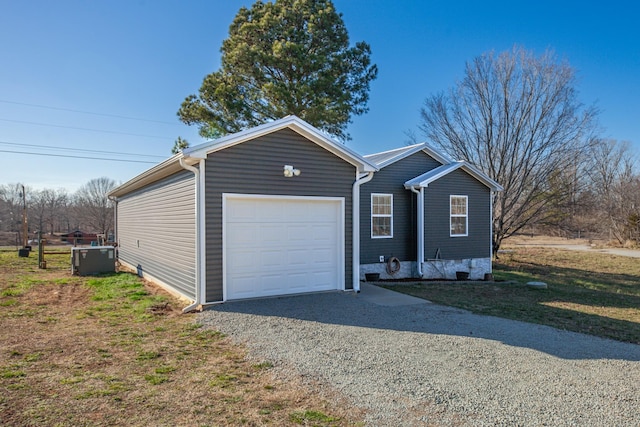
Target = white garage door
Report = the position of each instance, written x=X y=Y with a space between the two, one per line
x=282 y=245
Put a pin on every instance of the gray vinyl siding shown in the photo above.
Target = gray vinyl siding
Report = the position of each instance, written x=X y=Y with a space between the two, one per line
x=157 y=230
x=255 y=167
x=390 y=180
x=477 y=243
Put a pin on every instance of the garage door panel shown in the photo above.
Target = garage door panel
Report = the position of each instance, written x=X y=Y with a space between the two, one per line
x=242 y=259
x=322 y=256
x=241 y=235
x=270 y=212
x=299 y=282
x=270 y=282
x=282 y=246
x=242 y=211
x=243 y=287
x=297 y=212
x=298 y=233
x=298 y=258
x=323 y=232
x=318 y=279
x=272 y=259
x=269 y=233
x=323 y=210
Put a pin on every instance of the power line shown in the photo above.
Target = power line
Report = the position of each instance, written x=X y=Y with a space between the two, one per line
x=117 y=116
x=81 y=150
x=86 y=129
x=77 y=157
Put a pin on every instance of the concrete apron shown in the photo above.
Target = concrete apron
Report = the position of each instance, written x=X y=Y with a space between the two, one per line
x=381 y=296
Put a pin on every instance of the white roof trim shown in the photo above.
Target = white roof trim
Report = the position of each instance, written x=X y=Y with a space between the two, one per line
x=405 y=152
x=427 y=178
x=414 y=147
x=292 y=122
x=194 y=154
x=157 y=172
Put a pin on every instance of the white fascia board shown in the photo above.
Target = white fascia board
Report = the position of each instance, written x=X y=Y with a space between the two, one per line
x=292 y=122
x=391 y=156
x=398 y=154
x=427 y=178
x=155 y=173
x=442 y=158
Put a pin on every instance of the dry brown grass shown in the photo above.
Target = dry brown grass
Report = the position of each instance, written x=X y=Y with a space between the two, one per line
x=115 y=351
x=588 y=292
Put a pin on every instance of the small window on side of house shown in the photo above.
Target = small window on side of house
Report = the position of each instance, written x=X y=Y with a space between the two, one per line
x=381 y=216
x=459 y=218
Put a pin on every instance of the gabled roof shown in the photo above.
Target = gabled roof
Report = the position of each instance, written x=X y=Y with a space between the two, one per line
x=386 y=158
x=427 y=178
x=291 y=122
x=193 y=155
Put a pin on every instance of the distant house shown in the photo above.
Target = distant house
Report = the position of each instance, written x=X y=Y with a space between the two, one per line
x=78 y=237
x=283 y=209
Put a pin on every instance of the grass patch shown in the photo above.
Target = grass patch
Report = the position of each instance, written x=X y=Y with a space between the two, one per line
x=72 y=380
x=112 y=350
x=32 y=357
x=312 y=417
x=148 y=355
x=12 y=292
x=588 y=292
x=155 y=379
x=263 y=365
x=12 y=372
x=165 y=369
x=223 y=380
x=122 y=295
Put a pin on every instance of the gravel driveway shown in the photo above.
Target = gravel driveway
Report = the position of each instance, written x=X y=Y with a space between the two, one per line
x=410 y=362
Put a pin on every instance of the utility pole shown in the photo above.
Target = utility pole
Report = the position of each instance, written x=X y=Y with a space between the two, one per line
x=25 y=227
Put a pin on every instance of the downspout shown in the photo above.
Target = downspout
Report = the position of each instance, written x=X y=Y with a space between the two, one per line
x=491 y=232
x=198 y=298
x=355 y=202
x=420 y=248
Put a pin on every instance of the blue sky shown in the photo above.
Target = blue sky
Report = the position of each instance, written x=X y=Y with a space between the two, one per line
x=133 y=62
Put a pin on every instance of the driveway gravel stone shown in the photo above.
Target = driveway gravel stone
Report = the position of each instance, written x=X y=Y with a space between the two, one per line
x=420 y=364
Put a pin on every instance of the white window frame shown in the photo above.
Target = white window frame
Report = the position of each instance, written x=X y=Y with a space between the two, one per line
x=390 y=216
x=458 y=215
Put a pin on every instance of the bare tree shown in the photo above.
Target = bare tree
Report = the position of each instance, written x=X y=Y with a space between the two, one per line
x=94 y=206
x=56 y=202
x=38 y=209
x=47 y=207
x=516 y=116
x=615 y=185
x=13 y=206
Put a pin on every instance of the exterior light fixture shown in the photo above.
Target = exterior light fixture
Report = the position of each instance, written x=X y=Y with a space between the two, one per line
x=289 y=171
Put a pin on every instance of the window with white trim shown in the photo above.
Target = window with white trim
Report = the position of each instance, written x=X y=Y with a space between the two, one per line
x=459 y=218
x=381 y=215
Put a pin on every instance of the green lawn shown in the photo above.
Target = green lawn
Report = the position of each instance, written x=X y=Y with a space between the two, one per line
x=592 y=293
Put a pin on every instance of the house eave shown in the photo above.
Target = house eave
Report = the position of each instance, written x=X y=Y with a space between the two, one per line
x=156 y=173
x=405 y=152
x=425 y=179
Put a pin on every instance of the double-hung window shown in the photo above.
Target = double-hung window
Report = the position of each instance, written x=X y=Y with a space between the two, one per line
x=459 y=218
x=381 y=215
